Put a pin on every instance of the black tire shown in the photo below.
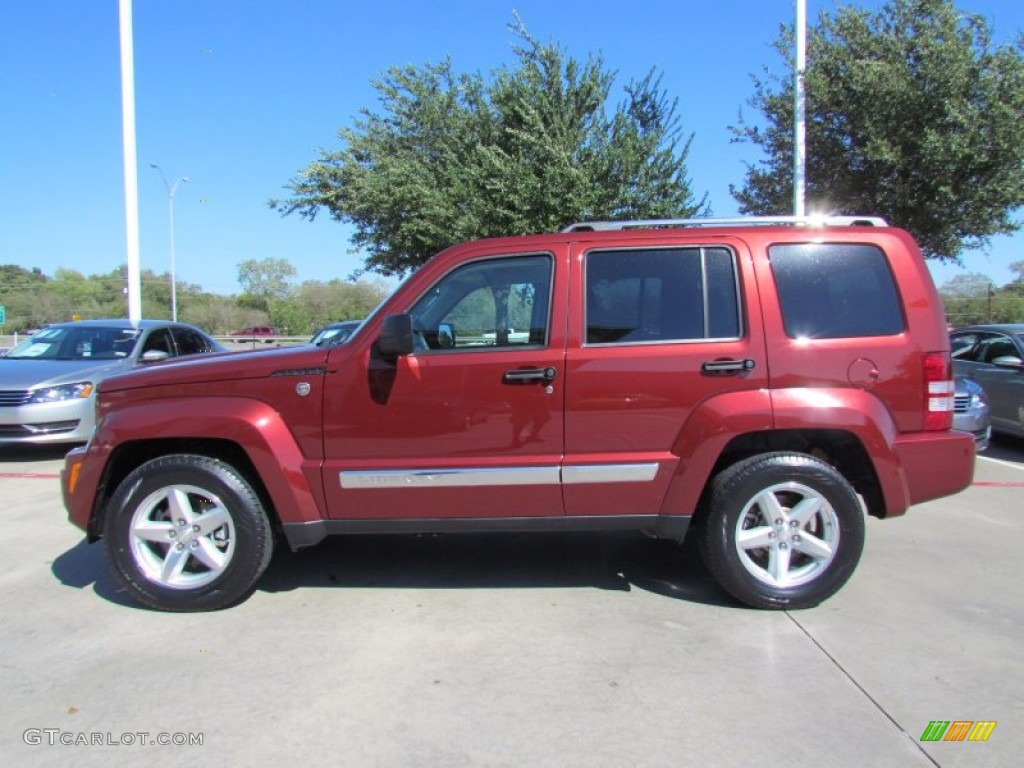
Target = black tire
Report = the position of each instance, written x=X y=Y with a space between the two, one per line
x=812 y=534
x=187 y=533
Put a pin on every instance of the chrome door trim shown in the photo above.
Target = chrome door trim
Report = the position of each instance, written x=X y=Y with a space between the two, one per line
x=448 y=477
x=609 y=473
x=463 y=477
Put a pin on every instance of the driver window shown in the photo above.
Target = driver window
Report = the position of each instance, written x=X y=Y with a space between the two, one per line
x=499 y=302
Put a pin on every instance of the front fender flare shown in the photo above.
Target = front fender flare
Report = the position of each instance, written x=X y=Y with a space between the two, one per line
x=291 y=480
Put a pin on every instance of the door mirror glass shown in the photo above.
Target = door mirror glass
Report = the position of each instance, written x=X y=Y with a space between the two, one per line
x=446 y=335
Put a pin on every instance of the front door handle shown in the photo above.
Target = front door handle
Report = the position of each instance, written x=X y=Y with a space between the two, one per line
x=728 y=366
x=529 y=376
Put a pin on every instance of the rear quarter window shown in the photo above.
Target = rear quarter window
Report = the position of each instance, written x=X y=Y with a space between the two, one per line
x=835 y=291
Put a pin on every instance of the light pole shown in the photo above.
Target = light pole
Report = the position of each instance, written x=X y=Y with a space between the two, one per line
x=800 y=112
x=171 y=189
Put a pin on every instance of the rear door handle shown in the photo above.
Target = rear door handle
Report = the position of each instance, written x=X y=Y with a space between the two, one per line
x=530 y=376
x=728 y=366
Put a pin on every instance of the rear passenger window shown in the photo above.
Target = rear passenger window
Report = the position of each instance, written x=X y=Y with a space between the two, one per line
x=835 y=291
x=671 y=294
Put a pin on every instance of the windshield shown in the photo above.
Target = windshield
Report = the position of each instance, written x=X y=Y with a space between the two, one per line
x=77 y=343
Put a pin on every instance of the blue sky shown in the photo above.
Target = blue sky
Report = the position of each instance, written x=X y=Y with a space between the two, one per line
x=238 y=95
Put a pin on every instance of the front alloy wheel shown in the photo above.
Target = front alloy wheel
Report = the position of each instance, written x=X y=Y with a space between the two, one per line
x=182 y=537
x=187 y=533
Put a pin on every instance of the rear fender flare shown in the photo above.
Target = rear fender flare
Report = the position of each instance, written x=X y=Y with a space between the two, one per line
x=861 y=414
x=703 y=437
x=715 y=422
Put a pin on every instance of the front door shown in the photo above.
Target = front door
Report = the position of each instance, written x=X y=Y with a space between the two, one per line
x=470 y=425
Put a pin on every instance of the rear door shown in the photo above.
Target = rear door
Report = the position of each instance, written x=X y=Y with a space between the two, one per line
x=659 y=329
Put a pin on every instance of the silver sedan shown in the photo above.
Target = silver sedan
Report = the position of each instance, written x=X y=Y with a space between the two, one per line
x=48 y=382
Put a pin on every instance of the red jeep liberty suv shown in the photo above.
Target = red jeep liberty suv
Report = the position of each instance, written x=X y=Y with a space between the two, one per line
x=762 y=384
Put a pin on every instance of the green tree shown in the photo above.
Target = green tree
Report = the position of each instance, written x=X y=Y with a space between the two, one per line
x=968 y=298
x=265 y=281
x=79 y=295
x=14 y=277
x=1016 y=286
x=337 y=300
x=21 y=292
x=913 y=114
x=451 y=157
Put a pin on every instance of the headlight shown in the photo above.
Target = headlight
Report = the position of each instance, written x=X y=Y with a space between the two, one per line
x=78 y=391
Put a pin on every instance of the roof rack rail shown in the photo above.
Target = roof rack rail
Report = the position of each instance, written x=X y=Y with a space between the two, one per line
x=742 y=221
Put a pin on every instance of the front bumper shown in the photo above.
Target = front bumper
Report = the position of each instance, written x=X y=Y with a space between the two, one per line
x=79 y=482
x=45 y=423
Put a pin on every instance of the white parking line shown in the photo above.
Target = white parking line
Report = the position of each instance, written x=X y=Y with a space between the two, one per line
x=1002 y=463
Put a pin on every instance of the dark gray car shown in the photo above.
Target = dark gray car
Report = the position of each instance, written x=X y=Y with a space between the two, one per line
x=48 y=382
x=993 y=356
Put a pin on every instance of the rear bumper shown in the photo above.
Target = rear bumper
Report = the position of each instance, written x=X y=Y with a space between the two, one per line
x=935 y=464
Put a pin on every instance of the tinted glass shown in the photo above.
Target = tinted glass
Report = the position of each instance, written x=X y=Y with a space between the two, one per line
x=831 y=291
x=189 y=342
x=159 y=340
x=963 y=345
x=994 y=347
x=673 y=294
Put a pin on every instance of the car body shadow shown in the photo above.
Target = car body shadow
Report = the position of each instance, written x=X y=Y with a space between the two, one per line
x=1006 y=448
x=609 y=561
x=15 y=453
x=602 y=560
x=84 y=565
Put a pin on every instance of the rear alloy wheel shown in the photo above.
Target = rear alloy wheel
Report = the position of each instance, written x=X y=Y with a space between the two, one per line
x=187 y=533
x=783 y=530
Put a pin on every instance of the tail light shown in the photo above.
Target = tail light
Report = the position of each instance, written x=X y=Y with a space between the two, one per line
x=938 y=379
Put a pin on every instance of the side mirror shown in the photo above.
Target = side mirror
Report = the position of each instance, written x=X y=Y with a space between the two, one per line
x=446 y=336
x=153 y=356
x=396 y=338
x=1008 y=361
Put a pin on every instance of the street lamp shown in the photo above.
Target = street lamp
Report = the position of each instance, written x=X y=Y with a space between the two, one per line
x=171 y=189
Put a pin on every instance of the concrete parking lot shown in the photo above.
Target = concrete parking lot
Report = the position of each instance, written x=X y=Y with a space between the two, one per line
x=515 y=650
